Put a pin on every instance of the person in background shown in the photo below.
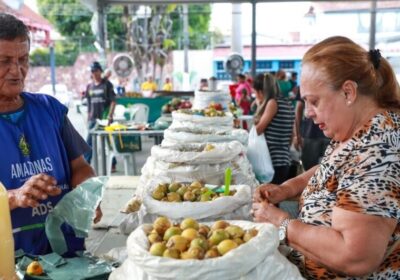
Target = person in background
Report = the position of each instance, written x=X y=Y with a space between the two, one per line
x=43 y=153
x=308 y=138
x=168 y=84
x=243 y=94
x=203 y=84
x=148 y=87
x=349 y=221
x=212 y=83
x=284 y=85
x=274 y=118
x=100 y=97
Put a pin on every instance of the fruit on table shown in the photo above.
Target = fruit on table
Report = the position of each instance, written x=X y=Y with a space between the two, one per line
x=178 y=192
x=208 y=112
x=34 y=268
x=175 y=104
x=191 y=240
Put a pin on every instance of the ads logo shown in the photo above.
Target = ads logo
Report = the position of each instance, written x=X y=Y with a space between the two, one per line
x=24 y=146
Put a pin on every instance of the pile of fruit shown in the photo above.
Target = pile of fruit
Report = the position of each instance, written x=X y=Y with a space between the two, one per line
x=191 y=240
x=208 y=112
x=133 y=94
x=175 y=104
x=178 y=192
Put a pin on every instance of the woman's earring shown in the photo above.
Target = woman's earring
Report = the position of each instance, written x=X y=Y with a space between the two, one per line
x=348 y=103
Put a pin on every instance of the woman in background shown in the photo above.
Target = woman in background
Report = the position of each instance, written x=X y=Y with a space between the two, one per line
x=274 y=118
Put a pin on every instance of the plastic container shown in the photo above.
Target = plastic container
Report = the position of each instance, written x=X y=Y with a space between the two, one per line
x=7 y=262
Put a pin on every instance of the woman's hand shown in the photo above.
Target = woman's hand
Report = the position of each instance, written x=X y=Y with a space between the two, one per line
x=37 y=188
x=269 y=192
x=267 y=212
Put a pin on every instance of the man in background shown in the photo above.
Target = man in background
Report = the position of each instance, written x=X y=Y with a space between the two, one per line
x=100 y=97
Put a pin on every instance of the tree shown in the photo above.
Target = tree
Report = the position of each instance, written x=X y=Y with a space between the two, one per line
x=73 y=20
x=199 y=21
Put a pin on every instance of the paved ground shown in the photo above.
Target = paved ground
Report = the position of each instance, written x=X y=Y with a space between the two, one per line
x=105 y=235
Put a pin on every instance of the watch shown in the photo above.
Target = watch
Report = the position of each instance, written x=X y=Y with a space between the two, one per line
x=282 y=230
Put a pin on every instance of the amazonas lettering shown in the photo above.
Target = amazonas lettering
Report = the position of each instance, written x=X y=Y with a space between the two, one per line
x=30 y=168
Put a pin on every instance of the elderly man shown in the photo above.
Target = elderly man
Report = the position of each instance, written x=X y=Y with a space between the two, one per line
x=42 y=157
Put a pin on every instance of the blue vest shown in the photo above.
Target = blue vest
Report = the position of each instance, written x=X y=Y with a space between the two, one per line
x=31 y=146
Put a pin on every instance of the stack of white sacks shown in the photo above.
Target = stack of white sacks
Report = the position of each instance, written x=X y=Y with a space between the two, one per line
x=197 y=148
x=200 y=148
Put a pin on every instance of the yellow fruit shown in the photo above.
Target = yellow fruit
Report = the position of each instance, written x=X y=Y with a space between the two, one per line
x=235 y=231
x=189 y=223
x=161 y=224
x=171 y=232
x=34 y=268
x=226 y=246
x=219 y=225
x=157 y=249
x=209 y=147
x=178 y=242
x=249 y=234
x=190 y=234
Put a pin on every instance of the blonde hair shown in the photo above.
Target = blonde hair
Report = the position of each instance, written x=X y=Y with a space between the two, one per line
x=340 y=59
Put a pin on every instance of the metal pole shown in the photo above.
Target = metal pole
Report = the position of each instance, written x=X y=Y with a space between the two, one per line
x=236 y=45
x=102 y=30
x=372 y=25
x=53 y=68
x=185 y=38
x=253 y=39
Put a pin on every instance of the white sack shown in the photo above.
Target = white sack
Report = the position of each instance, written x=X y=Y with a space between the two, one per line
x=242 y=173
x=226 y=120
x=198 y=210
x=203 y=136
x=256 y=259
x=203 y=98
x=194 y=152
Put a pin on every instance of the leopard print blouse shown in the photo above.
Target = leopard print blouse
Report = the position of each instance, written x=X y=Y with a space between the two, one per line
x=363 y=177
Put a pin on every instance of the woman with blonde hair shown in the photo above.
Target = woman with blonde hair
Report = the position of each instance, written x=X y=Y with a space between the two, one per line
x=348 y=226
x=274 y=118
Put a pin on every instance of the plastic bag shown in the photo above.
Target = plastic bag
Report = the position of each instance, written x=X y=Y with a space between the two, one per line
x=256 y=259
x=77 y=209
x=259 y=157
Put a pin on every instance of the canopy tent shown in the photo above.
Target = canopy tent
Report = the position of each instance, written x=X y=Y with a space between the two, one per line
x=99 y=7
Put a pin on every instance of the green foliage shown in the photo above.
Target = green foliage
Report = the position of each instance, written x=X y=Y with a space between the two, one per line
x=69 y=17
x=199 y=20
x=72 y=21
x=65 y=54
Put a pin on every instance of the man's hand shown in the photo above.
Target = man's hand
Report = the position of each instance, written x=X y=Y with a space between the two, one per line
x=37 y=188
x=269 y=192
x=98 y=215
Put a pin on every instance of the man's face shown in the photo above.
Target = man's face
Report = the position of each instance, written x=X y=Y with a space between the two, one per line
x=14 y=64
x=96 y=73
